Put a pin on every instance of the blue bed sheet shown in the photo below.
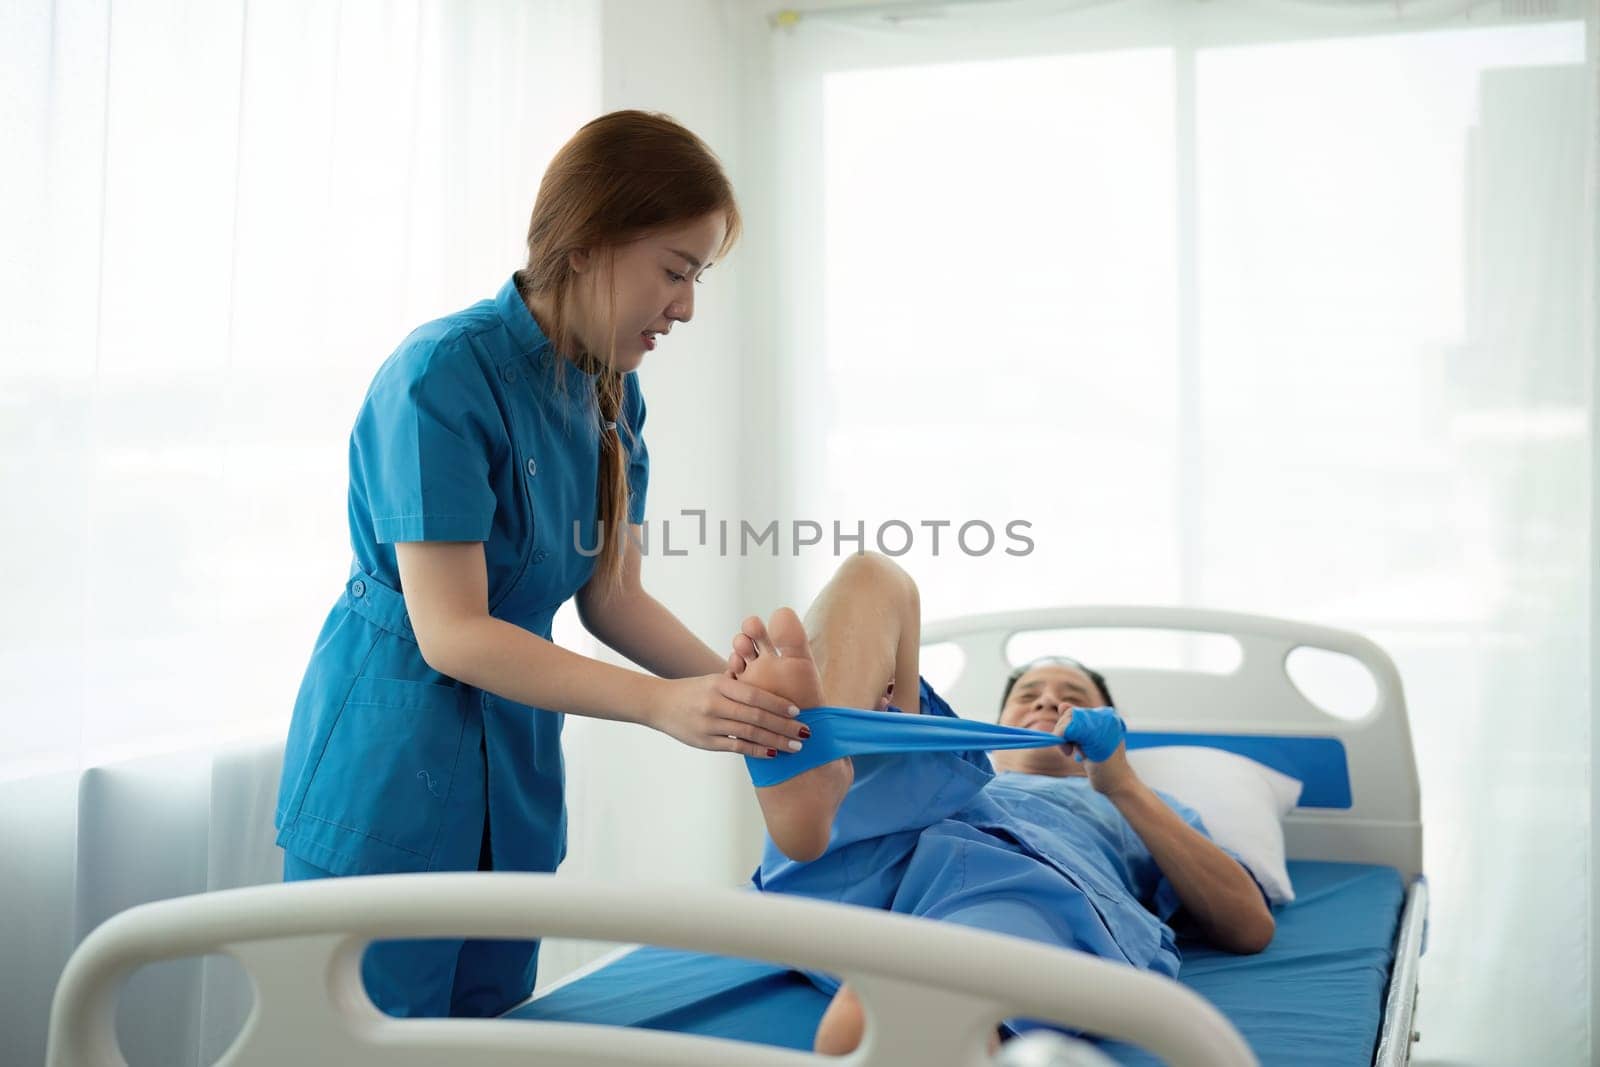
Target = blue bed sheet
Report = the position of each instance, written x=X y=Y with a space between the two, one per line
x=1313 y=998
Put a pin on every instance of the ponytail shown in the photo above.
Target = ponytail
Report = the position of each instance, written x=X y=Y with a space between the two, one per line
x=613 y=483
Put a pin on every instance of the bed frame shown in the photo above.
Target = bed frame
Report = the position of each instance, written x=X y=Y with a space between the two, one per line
x=301 y=943
x=1383 y=822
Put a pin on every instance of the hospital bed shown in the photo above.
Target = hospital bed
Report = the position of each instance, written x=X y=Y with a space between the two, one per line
x=707 y=976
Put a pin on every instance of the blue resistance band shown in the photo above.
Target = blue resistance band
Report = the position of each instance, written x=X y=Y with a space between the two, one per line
x=839 y=732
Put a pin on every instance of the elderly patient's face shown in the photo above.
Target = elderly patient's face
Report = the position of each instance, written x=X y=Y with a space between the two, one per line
x=1037 y=702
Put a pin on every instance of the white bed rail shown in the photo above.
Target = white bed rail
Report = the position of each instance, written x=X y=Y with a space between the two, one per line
x=932 y=991
x=1383 y=824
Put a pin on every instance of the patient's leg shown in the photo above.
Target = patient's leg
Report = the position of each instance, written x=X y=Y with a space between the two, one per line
x=859 y=643
x=866 y=628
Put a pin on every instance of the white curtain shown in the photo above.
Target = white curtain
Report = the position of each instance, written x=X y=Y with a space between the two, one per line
x=216 y=220
x=1251 y=305
x=219 y=219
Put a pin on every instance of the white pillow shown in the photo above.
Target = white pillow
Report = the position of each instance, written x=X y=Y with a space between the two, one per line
x=1242 y=802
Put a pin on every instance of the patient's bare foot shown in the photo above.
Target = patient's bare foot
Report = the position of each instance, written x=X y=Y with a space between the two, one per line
x=842 y=1025
x=799 y=812
x=783 y=664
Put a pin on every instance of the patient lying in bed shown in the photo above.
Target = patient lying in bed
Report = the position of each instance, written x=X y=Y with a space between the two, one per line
x=1038 y=843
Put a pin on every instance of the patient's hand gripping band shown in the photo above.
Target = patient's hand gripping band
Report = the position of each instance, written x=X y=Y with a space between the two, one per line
x=1096 y=731
x=839 y=732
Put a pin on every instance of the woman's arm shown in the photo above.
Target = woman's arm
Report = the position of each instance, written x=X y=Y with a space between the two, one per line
x=445 y=585
x=635 y=624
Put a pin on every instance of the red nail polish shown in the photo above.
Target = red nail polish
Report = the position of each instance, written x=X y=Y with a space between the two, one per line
x=805 y=732
x=771 y=752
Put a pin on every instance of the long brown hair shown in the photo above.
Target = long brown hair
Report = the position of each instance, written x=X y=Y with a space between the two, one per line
x=620 y=177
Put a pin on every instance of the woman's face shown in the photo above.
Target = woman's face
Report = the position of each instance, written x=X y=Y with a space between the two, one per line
x=654 y=280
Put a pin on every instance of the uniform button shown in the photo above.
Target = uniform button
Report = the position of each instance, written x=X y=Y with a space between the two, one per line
x=539 y=555
x=358 y=588
x=533 y=468
x=509 y=374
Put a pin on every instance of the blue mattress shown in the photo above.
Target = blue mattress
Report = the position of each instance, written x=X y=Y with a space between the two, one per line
x=1314 y=997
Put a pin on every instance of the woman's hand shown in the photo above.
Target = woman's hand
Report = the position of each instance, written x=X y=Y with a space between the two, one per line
x=723 y=714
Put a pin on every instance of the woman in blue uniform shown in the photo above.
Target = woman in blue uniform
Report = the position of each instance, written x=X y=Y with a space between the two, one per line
x=497 y=468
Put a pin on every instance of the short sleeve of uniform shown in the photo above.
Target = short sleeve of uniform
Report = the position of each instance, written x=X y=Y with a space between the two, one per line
x=633 y=412
x=423 y=445
x=1166 y=903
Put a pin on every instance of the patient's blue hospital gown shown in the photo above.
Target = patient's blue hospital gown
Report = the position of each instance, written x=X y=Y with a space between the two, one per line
x=941 y=835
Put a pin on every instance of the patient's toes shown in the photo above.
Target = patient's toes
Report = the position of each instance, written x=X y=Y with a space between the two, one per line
x=743 y=646
x=756 y=630
x=784 y=666
x=789 y=634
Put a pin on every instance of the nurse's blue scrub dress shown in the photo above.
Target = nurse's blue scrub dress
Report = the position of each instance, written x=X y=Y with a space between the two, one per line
x=465 y=435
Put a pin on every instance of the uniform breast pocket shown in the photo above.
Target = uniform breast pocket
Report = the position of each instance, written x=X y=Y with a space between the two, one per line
x=390 y=762
x=517 y=559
